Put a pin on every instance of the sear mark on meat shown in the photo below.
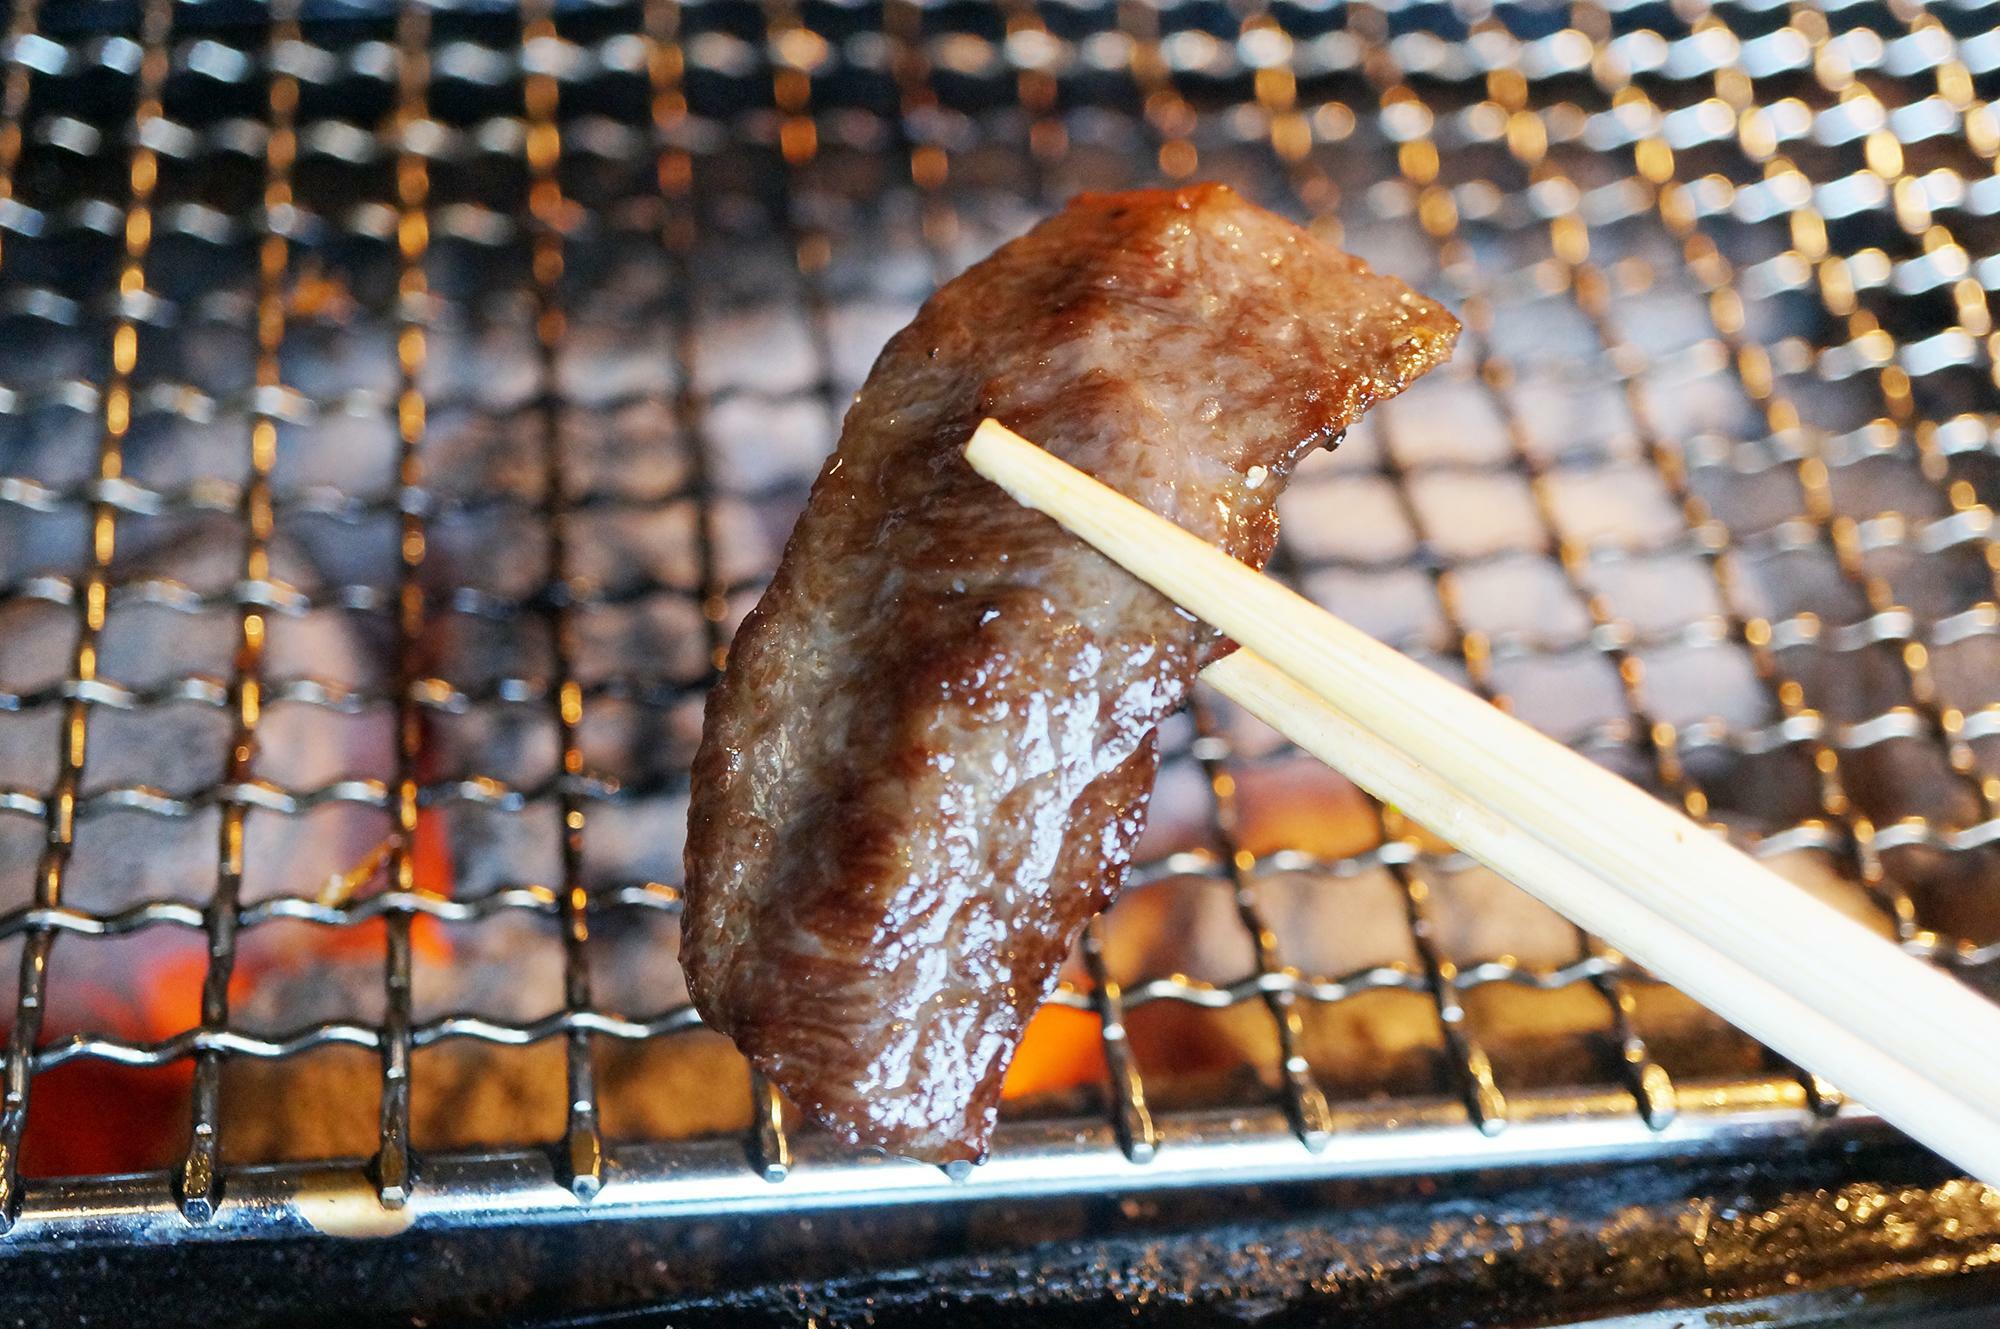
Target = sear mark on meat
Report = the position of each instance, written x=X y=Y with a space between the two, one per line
x=927 y=763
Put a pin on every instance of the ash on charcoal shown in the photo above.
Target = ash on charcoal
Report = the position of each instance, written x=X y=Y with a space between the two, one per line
x=147 y=828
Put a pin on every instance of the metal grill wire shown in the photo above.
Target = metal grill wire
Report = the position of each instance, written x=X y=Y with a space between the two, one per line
x=1814 y=186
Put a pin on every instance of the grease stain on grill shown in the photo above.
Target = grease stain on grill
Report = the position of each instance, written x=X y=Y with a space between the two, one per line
x=343 y=1203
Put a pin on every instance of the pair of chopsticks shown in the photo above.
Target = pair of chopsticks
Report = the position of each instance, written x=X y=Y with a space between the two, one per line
x=1909 y=1041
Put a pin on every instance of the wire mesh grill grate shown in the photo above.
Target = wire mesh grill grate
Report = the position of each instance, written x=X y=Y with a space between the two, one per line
x=399 y=406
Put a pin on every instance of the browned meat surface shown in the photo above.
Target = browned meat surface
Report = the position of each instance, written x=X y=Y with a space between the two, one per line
x=928 y=761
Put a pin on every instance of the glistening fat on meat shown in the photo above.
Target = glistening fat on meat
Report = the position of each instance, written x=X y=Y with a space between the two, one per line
x=928 y=761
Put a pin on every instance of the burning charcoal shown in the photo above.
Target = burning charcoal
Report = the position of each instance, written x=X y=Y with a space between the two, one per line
x=762 y=444
x=507 y=967
x=1476 y=514
x=629 y=450
x=158 y=749
x=178 y=448
x=766 y=348
x=1453 y=426
x=622 y=550
x=504 y=969
x=647 y=648
x=633 y=450
x=491 y=363
x=1328 y=516
x=1398 y=605
x=466 y=1095
x=613 y=349
x=466 y=1092
x=640 y=651
x=50 y=429
x=635 y=840
x=41 y=544
x=858 y=332
x=473 y=454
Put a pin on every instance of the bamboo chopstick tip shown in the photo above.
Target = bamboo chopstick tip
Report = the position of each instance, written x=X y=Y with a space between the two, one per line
x=1001 y=455
x=989 y=433
x=991 y=441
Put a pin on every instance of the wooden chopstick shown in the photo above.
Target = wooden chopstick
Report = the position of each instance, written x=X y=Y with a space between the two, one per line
x=1909 y=1041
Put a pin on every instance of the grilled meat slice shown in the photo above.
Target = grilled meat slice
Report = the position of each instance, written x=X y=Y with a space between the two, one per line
x=927 y=763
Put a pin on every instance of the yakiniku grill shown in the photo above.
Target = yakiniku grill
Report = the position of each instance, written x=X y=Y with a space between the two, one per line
x=399 y=407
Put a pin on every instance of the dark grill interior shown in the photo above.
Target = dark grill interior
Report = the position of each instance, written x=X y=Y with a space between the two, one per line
x=399 y=407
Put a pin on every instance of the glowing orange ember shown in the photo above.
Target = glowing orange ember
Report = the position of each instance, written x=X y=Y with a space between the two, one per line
x=1063 y=1049
x=95 y=1116
x=431 y=874
x=1298 y=804
x=316 y=295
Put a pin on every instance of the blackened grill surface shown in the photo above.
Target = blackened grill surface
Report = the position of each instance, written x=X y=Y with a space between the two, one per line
x=927 y=764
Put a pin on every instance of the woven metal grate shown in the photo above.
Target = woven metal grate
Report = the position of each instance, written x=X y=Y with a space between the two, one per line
x=398 y=407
